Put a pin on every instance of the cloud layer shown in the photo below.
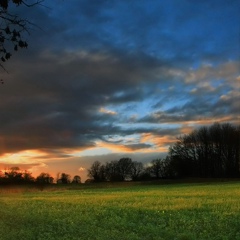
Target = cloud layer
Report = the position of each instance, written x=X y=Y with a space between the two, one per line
x=120 y=76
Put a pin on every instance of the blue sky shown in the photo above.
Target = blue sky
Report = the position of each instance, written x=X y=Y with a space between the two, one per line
x=106 y=79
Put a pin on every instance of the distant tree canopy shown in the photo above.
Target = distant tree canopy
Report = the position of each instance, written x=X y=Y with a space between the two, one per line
x=15 y=175
x=76 y=179
x=125 y=170
x=120 y=170
x=64 y=178
x=136 y=170
x=12 y=28
x=97 y=172
x=208 y=152
x=212 y=151
x=44 y=178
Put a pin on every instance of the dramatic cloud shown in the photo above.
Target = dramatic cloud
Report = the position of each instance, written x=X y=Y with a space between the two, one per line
x=116 y=77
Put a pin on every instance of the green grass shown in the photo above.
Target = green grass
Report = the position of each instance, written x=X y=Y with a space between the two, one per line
x=128 y=211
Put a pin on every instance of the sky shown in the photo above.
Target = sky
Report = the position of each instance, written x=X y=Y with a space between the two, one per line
x=106 y=79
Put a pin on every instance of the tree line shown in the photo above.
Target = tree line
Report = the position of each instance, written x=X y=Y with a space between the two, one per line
x=210 y=152
x=127 y=170
x=15 y=175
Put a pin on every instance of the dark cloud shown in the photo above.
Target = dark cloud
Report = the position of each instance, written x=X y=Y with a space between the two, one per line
x=180 y=30
x=57 y=103
x=138 y=146
x=100 y=69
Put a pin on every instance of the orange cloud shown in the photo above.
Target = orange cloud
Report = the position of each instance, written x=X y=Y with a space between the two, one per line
x=81 y=169
x=227 y=71
x=113 y=147
x=106 y=111
x=148 y=143
x=156 y=139
x=210 y=120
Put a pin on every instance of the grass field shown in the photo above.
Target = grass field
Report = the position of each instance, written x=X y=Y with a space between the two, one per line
x=171 y=211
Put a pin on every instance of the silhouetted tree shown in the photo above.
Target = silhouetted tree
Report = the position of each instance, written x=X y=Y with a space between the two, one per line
x=145 y=175
x=13 y=175
x=76 y=179
x=12 y=28
x=97 y=172
x=157 y=169
x=208 y=152
x=89 y=180
x=124 y=166
x=44 y=178
x=169 y=169
x=121 y=170
x=64 y=178
x=183 y=154
x=112 y=171
x=27 y=177
x=16 y=175
x=136 y=170
x=2 y=177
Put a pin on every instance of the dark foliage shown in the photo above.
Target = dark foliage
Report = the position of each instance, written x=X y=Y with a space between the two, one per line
x=125 y=170
x=208 y=152
x=16 y=176
x=97 y=172
x=76 y=179
x=136 y=171
x=64 y=178
x=120 y=170
x=12 y=29
x=44 y=178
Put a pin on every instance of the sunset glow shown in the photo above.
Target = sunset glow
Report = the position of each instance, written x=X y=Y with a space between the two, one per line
x=106 y=79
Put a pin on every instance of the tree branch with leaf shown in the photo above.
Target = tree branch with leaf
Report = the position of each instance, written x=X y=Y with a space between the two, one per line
x=12 y=29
